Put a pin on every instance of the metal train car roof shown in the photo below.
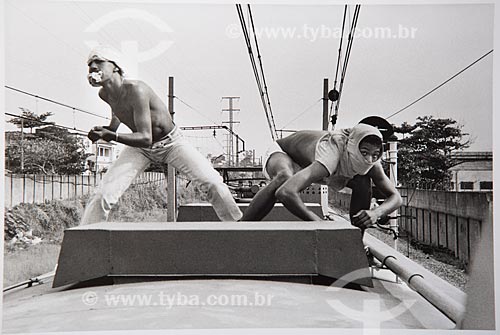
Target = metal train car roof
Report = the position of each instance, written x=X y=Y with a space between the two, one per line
x=208 y=275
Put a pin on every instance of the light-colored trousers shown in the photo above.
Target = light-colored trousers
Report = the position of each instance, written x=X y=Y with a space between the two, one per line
x=174 y=150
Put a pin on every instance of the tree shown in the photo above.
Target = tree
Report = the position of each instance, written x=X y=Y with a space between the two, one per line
x=424 y=150
x=50 y=150
x=30 y=120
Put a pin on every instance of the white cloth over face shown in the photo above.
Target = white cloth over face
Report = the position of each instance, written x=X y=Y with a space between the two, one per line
x=106 y=53
x=357 y=163
x=339 y=152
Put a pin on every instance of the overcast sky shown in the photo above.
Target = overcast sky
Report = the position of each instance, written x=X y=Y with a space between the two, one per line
x=47 y=43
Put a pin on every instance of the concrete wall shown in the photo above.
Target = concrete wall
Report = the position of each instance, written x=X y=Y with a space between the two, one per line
x=451 y=220
x=40 y=188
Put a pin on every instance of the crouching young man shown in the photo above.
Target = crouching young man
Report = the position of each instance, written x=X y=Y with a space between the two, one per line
x=346 y=157
x=154 y=137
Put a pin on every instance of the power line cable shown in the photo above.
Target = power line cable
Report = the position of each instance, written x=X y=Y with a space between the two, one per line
x=302 y=113
x=91 y=20
x=10 y=3
x=46 y=123
x=340 y=48
x=259 y=81
x=440 y=85
x=338 y=57
x=194 y=109
x=246 y=35
x=55 y=102
x=271 y=116
x=348 y=54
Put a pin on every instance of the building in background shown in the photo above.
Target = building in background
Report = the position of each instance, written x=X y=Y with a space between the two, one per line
x=473 y=171
x=103 y=154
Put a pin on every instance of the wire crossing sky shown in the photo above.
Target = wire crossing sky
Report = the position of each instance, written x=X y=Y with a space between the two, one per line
x=399 y=53
x=440 y=85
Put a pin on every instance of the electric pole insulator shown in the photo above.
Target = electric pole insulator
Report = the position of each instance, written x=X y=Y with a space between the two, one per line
x=334 y=119
x=333 y=95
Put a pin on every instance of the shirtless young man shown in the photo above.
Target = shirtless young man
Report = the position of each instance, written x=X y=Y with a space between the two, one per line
x=346 y=157
x=154 y=137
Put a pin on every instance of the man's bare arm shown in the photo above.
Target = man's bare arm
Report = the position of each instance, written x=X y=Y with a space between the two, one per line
x=366 y=218
x=143 y=134
x=142 y=137
x=114 y=123
x=288 y=193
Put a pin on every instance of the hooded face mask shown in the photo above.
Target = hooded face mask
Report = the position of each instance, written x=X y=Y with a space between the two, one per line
x=356 y=161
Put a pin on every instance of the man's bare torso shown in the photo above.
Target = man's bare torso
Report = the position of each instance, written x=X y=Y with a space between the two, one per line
x=126 y=107
x=301 y=146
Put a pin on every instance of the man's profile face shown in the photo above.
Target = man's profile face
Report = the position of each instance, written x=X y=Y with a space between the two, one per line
x=370 y=152
x=98 y=71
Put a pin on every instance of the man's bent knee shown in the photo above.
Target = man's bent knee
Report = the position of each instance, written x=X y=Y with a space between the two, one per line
x=281 y=177
x=283 y=194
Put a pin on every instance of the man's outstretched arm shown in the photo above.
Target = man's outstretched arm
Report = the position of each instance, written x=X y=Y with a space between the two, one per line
x=289 y=195
x=114 y=123
x=366 y=218
x=142 y=135
x=94 y=135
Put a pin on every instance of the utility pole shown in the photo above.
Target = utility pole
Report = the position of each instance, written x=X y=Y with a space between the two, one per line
x=171 y=180
x=393 y=176
x=22 y=145
x=230 y=145
x=325 y=104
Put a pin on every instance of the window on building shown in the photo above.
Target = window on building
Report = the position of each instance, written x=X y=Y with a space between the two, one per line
x=485 y=185
x=466 y=185
x=104 y=152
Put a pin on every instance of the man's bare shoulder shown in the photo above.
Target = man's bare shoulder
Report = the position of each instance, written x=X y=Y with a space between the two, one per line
x=300 y=146
x=376 y=171
x=303 y=137
x=137 y=87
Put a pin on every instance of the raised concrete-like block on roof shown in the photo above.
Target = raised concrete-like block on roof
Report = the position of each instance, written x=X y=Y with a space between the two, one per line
x=205 y=212
x=212 y=249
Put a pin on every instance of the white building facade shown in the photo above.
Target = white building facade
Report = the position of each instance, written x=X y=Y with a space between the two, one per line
x=473 y=172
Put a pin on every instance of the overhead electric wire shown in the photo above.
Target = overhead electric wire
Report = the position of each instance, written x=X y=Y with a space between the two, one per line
x=10 y=3
x=46 y=123
x=90 y=20
x=55 y=102
x=440 y=85
x=348 y=54
x=246 y=35
x=263 y=92
x=339 y=56
x=194 y=109
x=249 y=46
x=340 y=48
x=271 y=116
x=301 y=113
